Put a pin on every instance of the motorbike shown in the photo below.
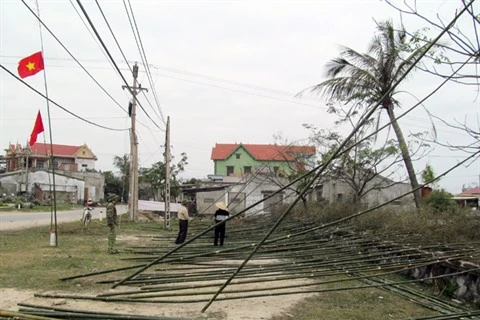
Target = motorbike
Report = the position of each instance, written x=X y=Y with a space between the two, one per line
x=87 y=215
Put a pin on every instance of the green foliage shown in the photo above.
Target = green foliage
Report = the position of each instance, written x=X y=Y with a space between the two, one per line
x=441 y=201
x=366 y=80
x=155 y=176
x=122 y=185
x=115 y=185
x=428 y=174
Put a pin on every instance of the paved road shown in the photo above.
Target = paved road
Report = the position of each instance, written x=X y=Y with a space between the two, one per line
x=15 y=220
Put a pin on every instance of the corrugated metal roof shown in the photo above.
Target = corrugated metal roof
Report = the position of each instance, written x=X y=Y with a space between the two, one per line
x=262 y=152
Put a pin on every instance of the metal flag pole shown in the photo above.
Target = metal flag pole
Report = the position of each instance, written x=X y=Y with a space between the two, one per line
x=53 y=208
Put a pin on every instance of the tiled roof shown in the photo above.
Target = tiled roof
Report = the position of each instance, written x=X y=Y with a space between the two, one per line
x=58 y=149
x=475 y=190
x=262 y=152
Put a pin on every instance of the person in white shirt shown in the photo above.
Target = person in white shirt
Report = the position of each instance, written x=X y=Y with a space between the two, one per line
x=183 y=219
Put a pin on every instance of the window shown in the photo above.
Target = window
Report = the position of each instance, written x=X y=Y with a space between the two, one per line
x=247 y=169
x=275 y=169
x=55 y=164
x=339 y=197
x=40 y=164
x=84 y=165
x=229 y=170
x=237 y=155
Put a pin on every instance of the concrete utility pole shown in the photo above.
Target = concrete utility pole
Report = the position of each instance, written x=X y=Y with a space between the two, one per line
x=27 y=152
x=167 y=175
x=133 y=197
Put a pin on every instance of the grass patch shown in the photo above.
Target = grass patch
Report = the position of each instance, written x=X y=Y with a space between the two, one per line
x=29 y=262
x=364 y=304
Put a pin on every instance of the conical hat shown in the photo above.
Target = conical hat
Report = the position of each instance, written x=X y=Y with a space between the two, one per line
x=221 y=205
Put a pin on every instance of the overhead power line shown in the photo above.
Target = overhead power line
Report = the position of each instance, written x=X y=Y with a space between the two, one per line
x=138 y=40
x=111 y=58
x=63 y=108
x=73 y=57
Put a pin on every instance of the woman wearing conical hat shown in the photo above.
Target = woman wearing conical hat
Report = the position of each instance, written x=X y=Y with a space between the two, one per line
x=220 y=215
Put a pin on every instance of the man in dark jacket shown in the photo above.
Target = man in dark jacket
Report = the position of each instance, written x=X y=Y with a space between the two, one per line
x=192 y=207
x=220 y=215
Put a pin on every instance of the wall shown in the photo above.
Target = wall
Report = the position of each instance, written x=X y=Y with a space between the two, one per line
x=94 y=182
x=332 y=188
x=71 y=187
x=84 y=164
x=254 y=189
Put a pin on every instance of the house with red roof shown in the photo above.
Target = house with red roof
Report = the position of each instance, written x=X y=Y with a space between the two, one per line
x=469 y=198
x=251 y=176
x=242 y=159
x=247 y=173
x=38 y=156
x=472 y=192
x=28 y=170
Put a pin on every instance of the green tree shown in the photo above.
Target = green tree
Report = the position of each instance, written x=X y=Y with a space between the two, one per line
x=428 y=175
x=113 y=184
x=123 y=166
x=364 y=80
x=155 y=177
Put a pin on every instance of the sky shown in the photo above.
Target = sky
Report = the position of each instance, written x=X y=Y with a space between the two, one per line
x=221 y=71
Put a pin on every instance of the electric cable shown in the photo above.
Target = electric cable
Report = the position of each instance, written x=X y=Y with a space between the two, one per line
x=143 y=56
x=73 y=57
x=113 y=35
x=113 y=61
x=90 y=32
x=63 y=108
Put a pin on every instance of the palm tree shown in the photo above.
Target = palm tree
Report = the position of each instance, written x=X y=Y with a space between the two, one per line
x=367 y=79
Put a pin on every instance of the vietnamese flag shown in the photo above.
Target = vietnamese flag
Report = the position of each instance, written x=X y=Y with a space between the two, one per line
x=37 y=129
x=30 y=65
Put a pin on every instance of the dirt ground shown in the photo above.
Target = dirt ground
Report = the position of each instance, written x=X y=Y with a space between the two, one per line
x=243 y=309
x=258 y=308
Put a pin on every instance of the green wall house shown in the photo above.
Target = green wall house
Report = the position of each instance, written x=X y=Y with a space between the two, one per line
x=241 y=159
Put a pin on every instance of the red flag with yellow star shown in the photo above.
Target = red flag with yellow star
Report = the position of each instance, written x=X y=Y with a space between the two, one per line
x=30 y=65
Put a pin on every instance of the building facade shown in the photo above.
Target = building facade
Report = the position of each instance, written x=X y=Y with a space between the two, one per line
x=39 y=155
x=242 y=159
x=28 y=171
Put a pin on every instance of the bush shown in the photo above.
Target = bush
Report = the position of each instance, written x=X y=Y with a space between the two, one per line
x=441 y=201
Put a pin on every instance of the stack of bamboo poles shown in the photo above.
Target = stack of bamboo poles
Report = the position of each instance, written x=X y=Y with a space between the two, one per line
x=37 y=312
x=299 y=258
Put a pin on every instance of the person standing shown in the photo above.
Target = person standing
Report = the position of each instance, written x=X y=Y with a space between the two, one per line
x=220 y=215
x=192 y=207
x=112 y=222
x=183 y=219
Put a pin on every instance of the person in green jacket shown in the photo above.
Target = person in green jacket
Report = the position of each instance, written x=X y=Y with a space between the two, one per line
x=112 y=222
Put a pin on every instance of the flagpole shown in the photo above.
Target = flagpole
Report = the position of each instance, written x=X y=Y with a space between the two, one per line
x=53 y=209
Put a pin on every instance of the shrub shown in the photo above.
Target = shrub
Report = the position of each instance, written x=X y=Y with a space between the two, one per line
x=441 y=201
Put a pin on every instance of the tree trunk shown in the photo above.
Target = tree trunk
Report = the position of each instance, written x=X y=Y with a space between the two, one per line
x=406 y=157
